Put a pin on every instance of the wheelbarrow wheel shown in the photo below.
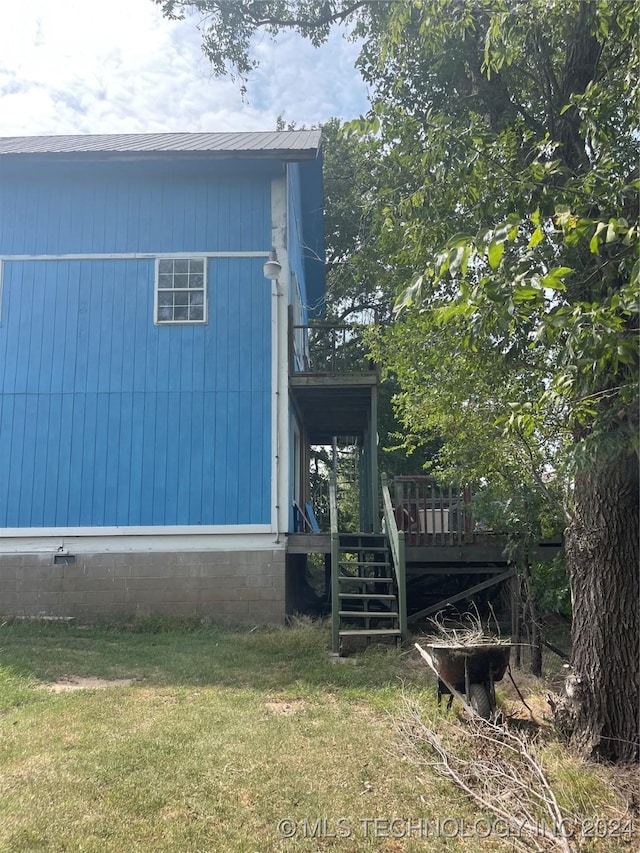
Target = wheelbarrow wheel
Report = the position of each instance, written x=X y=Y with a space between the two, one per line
x=479 y=700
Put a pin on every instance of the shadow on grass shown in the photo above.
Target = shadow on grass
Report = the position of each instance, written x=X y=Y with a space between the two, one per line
x=186 y=652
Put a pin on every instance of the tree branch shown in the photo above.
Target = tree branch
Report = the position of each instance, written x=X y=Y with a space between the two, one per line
x=324 y=20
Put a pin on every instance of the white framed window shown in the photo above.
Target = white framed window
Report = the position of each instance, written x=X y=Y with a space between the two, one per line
x=180 y=291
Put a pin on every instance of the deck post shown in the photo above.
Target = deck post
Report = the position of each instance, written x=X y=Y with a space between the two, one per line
x=402 y=587
x=373 y=461
x=335 y=567
x=335 y=593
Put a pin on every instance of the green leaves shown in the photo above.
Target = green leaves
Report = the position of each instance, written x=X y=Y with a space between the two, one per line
x=459 y=260
x=495 y=253
x=496 y=240
x=409 y=296
x=594 y=243
x=526 y=294
x=613 y=231
x=536 y=238
x=554 y=279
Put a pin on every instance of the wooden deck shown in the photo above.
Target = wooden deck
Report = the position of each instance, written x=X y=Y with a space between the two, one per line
x=440 y=571
x=447 y=554
x=483 y=555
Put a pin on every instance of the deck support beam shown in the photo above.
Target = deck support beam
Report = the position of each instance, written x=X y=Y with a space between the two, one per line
x=461 y=595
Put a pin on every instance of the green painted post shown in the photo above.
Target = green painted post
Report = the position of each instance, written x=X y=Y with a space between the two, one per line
x=335 y=566
x=402 y=586
x=373 y=461
x=335 y=592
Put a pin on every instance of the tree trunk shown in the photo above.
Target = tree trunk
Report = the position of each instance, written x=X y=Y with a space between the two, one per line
x=531 y=609
x=516 y=599
x=536 y=640
x=601 y=706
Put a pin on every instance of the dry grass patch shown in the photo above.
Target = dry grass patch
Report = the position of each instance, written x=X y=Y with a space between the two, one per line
x=209 y=770
x=286 y=708
x=213 y=737
x=63 y=685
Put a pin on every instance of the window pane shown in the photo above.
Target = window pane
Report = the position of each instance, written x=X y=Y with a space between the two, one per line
x=180 y=312
x=180 y=290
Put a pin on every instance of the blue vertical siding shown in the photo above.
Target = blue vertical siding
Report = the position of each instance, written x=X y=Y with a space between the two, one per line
x=295 y=248
x=165 y=206
x=305 y=227
x=105 y=418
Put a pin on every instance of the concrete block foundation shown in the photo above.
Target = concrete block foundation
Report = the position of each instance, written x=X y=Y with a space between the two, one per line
x=238 y=586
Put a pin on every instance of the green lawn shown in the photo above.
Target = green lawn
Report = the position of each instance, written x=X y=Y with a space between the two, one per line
x=221 y=735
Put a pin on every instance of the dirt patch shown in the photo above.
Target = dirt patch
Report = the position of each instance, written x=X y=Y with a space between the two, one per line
x=534 y=691
x=81 y=683
x=286 y=709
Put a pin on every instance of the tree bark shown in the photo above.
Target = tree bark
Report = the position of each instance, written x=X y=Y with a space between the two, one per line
x=602 y=693
x=536 y=639
x=516 y=599
x=533 y=630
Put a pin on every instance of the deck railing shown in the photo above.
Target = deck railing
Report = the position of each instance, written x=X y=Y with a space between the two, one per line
x=396 y=540
x=432 y=514
x=330 y=348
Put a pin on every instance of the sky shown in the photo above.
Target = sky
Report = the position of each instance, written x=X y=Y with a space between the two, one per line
x=116 y=66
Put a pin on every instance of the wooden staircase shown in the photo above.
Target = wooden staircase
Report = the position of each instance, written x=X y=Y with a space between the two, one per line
x=367 y=588
x=368 y=582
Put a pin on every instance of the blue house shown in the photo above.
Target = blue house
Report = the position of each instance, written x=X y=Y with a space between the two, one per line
x=156 y=402
x=163 y=378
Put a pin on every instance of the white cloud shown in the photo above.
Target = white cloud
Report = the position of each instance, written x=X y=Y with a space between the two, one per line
x=89 y=66
x=309 y=84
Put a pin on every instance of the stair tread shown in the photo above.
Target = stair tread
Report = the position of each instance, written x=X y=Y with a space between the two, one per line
x=363 y=534
x=365 y=580
x=369 y=614
x=352 y=549
x=370 y=632
x=369 y=549
x=368 y=595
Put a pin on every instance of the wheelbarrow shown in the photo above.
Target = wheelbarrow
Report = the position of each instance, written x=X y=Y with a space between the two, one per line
x=470 y=669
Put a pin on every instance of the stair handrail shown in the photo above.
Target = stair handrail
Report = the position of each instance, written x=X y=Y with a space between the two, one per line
x=396 y=540
x=335 y=565
x=333 y=504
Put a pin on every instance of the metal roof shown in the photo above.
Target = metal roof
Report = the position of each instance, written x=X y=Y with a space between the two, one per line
x=288 y=144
